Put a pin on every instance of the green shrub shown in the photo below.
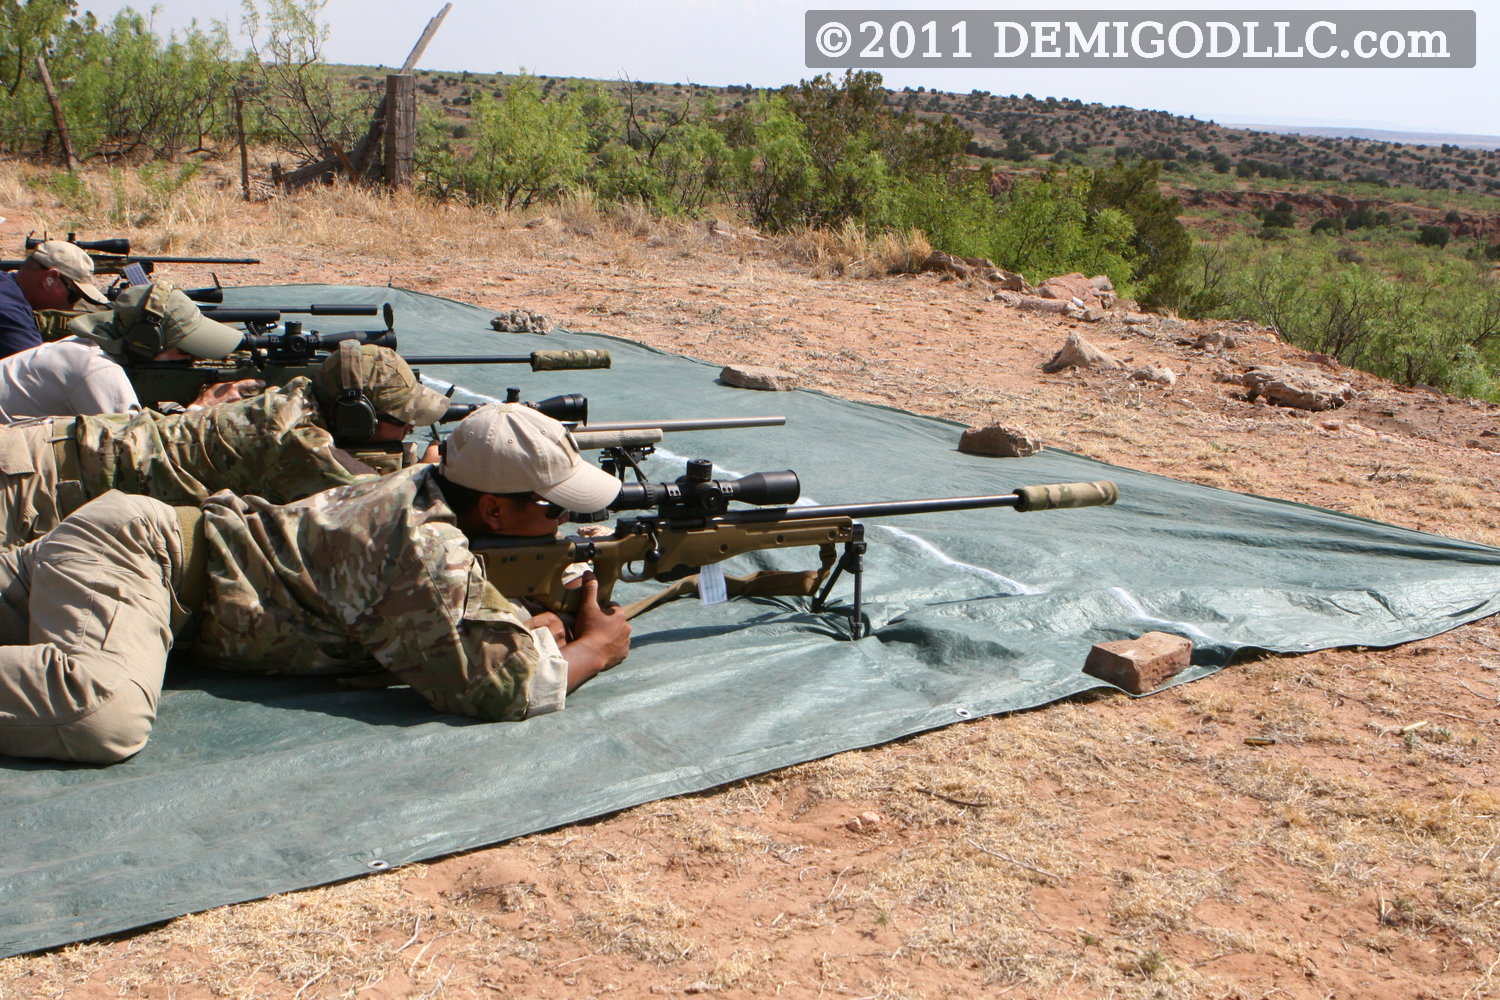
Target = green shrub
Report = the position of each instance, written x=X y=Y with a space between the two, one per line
x=1433 y=236
x=524 y=149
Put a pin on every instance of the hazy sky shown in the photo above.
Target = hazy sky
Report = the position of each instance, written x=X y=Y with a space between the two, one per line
x=761 y=42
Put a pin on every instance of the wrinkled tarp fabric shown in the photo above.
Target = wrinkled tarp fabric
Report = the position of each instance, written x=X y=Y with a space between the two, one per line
x=256 y=786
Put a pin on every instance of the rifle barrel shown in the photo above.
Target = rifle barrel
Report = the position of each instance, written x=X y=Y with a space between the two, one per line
x=669 y=426
x=1052 y=496
x=315 y=310
x=476 y=359
x=875 y=509
x=133 y=259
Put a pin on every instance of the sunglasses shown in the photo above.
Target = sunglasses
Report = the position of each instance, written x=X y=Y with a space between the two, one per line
x=549 y=509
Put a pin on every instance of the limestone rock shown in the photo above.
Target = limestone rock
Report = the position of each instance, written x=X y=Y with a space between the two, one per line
x=947 y=264
x=999 y=440
x=758 y=377
x=1299 y=388
x=1034 y=304
x=522 y=321
x=866 y=822
x=1155 y=373
x=1079 y=353
x=1137 y=319
x=1066 y=287
x=1216 y=340
x=1069 y=287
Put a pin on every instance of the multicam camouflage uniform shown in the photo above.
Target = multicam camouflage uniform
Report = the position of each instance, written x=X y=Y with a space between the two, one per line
x=271 y=445
x=370 y=578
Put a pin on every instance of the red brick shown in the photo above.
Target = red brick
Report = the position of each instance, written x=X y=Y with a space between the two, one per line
x=1141 y=664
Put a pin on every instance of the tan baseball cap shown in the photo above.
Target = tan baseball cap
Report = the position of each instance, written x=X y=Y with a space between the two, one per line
x=149 y=319
x=72 y=262
x=386 y=379
x=511 y=448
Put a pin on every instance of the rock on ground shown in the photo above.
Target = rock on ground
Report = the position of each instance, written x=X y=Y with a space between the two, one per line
x=1299 y=388
x=1079 y=353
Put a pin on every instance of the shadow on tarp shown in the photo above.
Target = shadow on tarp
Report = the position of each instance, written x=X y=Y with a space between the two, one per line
x=253 y=786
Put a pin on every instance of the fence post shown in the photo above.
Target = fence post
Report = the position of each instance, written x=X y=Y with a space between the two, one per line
x=239 y=127
x=400 y=129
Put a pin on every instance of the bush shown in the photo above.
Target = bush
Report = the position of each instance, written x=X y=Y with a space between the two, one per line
x=1366 y=216
x=524 y=149
x=1433 y=236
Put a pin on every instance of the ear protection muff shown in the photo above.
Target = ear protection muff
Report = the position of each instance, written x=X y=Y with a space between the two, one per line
x=144 y=337
x=354 y=417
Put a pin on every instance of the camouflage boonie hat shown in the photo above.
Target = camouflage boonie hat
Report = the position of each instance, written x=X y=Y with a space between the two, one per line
x=149 y=319
x=392 y=387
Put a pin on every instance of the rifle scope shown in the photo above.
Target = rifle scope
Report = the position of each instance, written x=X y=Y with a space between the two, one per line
x=118 y=246
x=294 y=343
x=569 y=408
x=697 y=494
x=559 y=408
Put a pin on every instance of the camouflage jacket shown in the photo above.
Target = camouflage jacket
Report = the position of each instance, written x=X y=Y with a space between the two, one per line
x=367 y=578
x=272 y=446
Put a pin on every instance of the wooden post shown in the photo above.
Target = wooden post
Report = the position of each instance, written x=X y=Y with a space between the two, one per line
x=69 y=160
x=366 y=147
x=400 y=129
x=239 y=127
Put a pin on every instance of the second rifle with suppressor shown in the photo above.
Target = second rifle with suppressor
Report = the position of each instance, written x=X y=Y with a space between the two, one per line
x=277 y=358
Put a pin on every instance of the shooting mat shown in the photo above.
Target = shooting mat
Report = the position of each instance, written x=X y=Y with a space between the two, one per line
x=258 y=786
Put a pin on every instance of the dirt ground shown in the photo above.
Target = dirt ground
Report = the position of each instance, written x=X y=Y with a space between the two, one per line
x=1101 y=847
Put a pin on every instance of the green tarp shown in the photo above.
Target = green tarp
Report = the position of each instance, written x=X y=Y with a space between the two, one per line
x=250 y=787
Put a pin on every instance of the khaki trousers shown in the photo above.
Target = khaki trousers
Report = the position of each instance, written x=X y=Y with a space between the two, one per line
x=39 y=478
x=87 y=622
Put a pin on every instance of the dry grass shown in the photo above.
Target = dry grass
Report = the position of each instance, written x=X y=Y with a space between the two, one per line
x=852 y=252
x=1099 y=848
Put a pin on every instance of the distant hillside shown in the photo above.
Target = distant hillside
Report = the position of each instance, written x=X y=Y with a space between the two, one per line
x=1462 y=140
x=1011 y=129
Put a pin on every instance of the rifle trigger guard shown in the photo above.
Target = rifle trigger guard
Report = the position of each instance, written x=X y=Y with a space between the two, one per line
x=652 y=557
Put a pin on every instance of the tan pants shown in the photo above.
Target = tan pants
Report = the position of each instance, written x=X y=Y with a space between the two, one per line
x=87 y=621
x=38 y=478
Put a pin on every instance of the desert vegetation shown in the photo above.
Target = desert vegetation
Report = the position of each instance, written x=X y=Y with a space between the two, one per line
x=1182 y=215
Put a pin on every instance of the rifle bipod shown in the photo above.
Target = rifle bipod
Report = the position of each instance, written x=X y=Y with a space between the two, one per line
x=853 y=560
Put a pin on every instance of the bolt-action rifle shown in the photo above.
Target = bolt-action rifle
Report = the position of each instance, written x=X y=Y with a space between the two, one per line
x=625 y=442
x=112 y=256
x=277 y=358
x=691 y=526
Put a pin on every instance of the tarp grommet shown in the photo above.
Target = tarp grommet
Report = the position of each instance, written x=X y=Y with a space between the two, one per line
x=378 y=865
x=963 y=713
